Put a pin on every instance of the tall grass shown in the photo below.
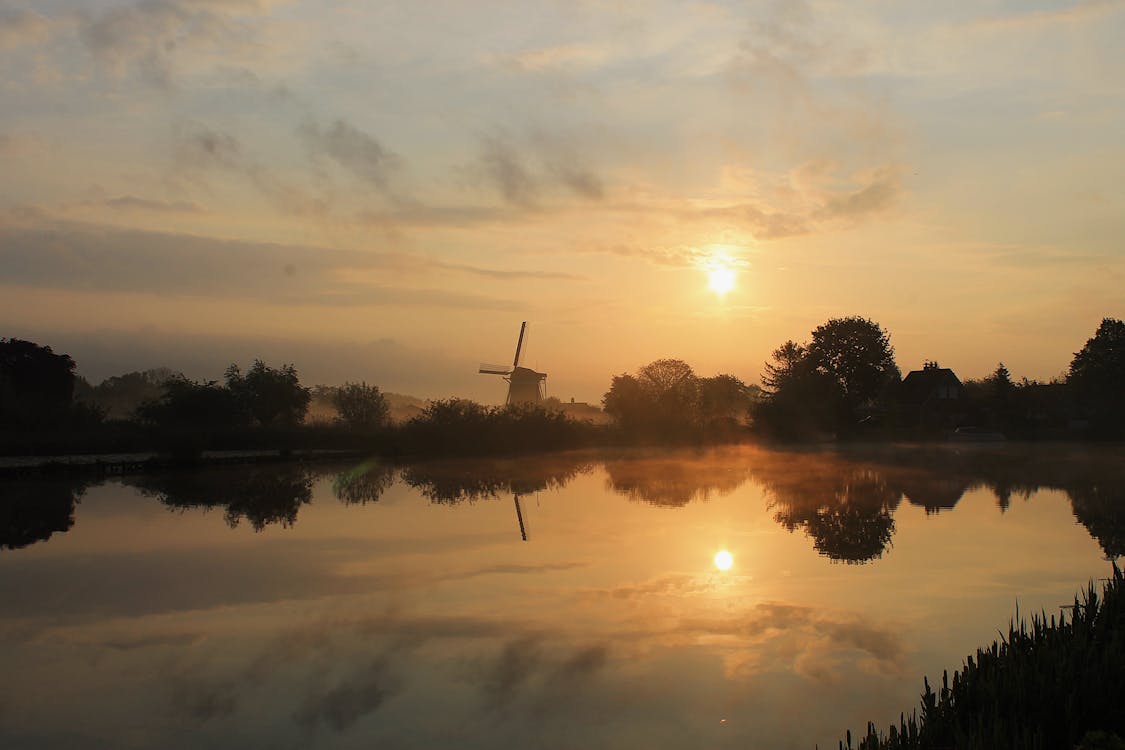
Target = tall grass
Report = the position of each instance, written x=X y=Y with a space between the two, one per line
x=1056 y=684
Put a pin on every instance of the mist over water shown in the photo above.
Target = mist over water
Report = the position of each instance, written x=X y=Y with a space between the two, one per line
x=727 y=597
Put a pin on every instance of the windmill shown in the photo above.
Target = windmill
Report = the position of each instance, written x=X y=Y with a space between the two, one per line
x=525 y=386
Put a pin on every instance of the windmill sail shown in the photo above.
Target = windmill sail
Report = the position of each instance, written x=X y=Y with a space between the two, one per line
x=525 y=386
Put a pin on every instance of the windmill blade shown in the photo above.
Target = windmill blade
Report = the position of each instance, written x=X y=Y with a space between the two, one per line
x=488 y=369
x=519 y=344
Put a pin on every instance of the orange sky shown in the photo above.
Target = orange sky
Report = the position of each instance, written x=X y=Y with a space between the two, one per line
x=384 y=191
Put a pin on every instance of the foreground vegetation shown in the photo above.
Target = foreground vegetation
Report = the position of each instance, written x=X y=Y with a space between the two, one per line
x=1059 y=683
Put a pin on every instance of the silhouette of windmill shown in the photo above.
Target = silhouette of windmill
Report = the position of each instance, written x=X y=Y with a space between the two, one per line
x=525 y=386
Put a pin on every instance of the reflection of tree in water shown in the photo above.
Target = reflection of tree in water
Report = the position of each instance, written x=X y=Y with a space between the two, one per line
x=676 y=480
x=32 y=510
x=1101 y=509
x=364 y=483
x=261 y=495
x=845 y=509
x=451 y=482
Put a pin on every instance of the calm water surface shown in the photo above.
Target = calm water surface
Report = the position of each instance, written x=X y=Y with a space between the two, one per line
x=365 y=606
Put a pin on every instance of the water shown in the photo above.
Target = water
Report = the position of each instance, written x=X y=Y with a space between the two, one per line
x=362 y=606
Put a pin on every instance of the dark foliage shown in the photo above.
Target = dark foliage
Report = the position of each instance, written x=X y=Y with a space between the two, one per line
x=36 y=385
x=463 y=427
x=452 y=482
x=192 y=405
x=364 y=483
x=1056 y=684
x=119 y=396
x=270 y=395
x=360 y=405
x=1097 y=375
x=32 y=511
x=822 y=387
x=262 y=496
x=666 y=401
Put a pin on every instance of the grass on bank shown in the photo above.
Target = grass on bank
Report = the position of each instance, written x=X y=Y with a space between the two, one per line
x=1058 y=684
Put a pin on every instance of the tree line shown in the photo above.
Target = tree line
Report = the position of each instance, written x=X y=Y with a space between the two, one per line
x=842 y=382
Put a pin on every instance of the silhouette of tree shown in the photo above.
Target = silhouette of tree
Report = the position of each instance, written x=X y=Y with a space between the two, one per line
x=187 y=404
x=1097 y=375
x=724 y=401
x=790 y=363
x=856 y=353
x=119 y=396
x=849 y=363
x=361 y=405
x=661 y=400
x=626 y=401
x=36 y=385
x=270 y=395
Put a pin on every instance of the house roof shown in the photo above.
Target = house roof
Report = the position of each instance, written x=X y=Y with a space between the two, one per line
x=919 y=385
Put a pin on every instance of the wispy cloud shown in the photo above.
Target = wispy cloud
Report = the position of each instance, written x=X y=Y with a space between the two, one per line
x=353 y=150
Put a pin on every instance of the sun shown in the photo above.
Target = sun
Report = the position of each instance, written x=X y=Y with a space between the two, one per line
x=723 y=560
x=721 y=279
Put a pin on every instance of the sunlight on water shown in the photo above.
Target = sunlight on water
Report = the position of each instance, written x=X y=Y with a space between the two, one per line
x=354 y=606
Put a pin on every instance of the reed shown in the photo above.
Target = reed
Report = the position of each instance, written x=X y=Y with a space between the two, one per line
x=1058 y=683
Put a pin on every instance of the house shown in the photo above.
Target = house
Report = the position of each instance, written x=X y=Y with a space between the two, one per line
x=932 y=398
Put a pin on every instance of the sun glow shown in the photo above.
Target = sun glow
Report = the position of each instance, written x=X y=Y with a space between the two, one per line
x=721 y=263
x=723 y=560
x=721 y=279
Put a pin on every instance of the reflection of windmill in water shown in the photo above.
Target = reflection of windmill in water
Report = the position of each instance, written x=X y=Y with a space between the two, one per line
x=525 y=386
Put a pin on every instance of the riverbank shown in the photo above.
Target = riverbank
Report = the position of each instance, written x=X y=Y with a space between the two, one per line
x=1058 y=683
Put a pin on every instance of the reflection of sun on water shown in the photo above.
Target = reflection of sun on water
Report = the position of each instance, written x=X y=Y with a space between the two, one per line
x=723 y=560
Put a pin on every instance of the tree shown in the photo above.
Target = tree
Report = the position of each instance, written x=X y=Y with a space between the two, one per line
x=625 y=401
x=361 y=405
x=119 y=396
x=270 y=395
x=723 y=400
x=1097 y=375
x=790 y=362
x=1100 y=366
x=36 y=385
x=856 y=353
x=190 y=405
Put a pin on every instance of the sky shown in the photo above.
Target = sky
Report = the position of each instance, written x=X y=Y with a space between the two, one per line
x=383 y=191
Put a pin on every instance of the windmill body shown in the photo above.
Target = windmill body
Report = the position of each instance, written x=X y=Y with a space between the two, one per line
x=525 y=386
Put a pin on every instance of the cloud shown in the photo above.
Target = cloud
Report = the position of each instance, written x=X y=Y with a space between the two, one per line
x=21 y=27
x=527 y=667
x=66 y=255
x=560 y=57
x=201 y=702
x=522 y=178
x=147 y=37
x=354 y=150
x=132 y=202
x=200 y=147
x=351 y=699
x=813 y=641
x=1079 y=12
x=505 y=170
x=879 y=193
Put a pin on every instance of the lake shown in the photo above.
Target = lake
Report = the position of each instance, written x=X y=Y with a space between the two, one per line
x=731 y=597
